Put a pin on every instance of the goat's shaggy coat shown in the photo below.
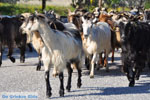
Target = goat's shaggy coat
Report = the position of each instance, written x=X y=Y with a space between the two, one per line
x=97 y=38
x=63 y=49
x=135 y=48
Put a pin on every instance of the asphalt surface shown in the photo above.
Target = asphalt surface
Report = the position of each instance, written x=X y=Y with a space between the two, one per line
x=23 y=79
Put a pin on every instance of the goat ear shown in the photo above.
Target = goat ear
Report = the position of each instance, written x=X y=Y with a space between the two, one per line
x=70 y=13
x=21 y=18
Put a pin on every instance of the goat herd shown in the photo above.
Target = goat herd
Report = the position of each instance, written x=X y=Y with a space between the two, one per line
x=80 y=38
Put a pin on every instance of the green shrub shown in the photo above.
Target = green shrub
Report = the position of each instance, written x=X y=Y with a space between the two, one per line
x=147 y=4
x=14 y=9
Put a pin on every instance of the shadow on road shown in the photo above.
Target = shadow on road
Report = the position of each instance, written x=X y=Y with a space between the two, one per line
x=141 y=87
x=109 y=91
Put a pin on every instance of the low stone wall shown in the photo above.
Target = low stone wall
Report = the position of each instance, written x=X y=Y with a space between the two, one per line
x=50 y=2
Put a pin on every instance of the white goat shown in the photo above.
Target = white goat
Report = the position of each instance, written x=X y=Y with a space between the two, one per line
x=63 y=49
x=97 y=38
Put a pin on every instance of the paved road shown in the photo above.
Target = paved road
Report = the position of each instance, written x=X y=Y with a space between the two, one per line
x=18 y=77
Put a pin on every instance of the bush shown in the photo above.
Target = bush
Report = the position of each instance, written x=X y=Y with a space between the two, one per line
x=147 y=5
x=15 y=9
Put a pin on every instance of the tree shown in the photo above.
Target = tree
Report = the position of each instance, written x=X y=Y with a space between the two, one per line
x=43 y=4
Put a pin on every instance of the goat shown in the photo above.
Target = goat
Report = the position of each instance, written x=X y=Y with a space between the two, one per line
x=115 y=33
x=11 y=37
x=35 y=39
x=63 y=48
x=97 y=38
x=135 y=39
x=75 y=18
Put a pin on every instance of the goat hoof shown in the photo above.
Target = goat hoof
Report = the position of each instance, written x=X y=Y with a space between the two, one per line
x=68 y=89
x=79 y=85
x=61 y=93
x=136 y=78
x=55 y=74
x=104 y=65
x=48 y=95
x=22 y=61
x=38 y=68
x=131 y=84
x=91 y=76
x=12 y=59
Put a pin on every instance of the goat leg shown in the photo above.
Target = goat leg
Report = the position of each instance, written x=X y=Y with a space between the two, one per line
x=61 y=78
x=48 y=87
x=112 y=57
x=1 y=54
x=22 y=53
x=40 y=63
x=68 y=87
x=131 y=77
x=10 y=54
x=79 y=76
